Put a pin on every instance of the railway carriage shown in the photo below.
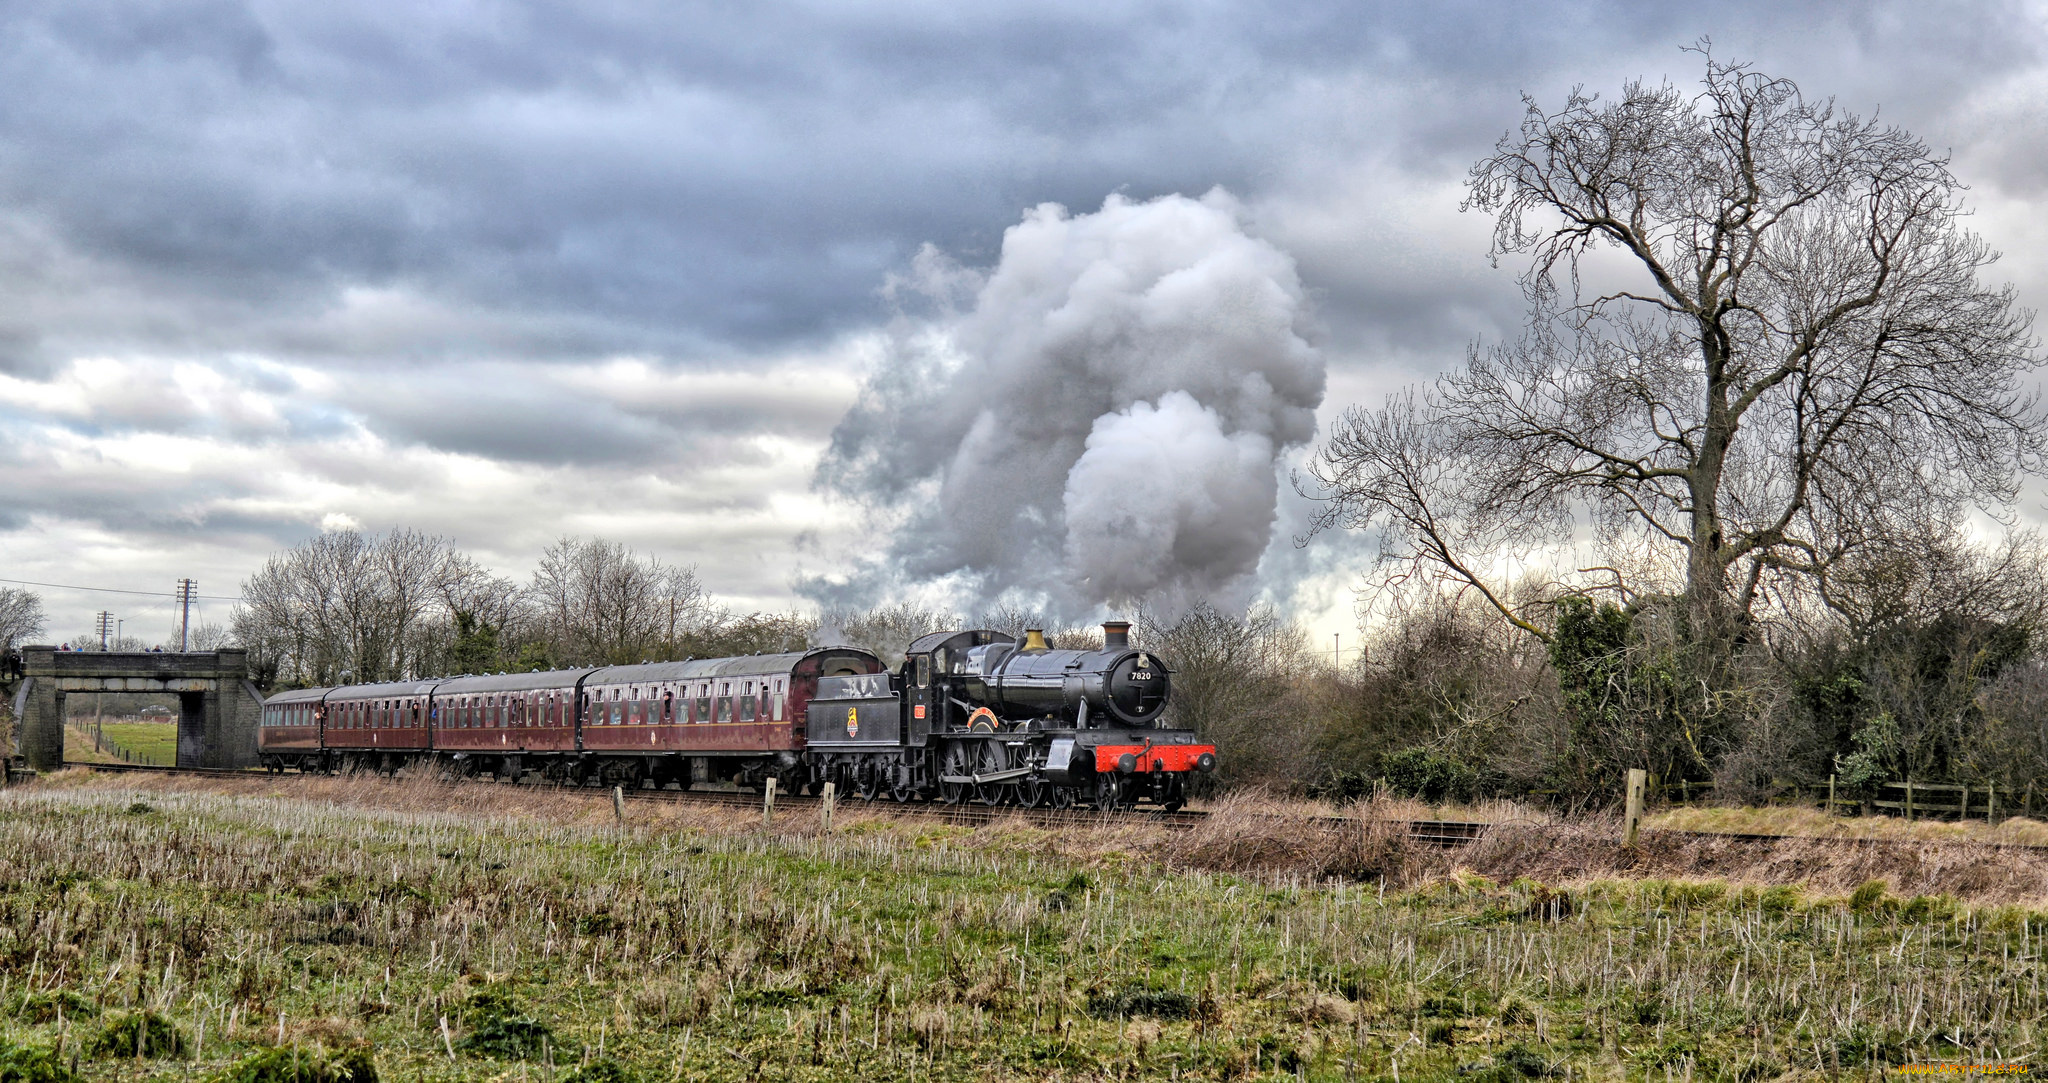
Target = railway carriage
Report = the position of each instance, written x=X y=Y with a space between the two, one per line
x=289 y=734
x=712 y=719
x=376 y=726
x=506 y=724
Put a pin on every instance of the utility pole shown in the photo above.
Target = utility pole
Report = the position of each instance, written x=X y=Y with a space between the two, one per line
x=104 y=625
x=186 y=589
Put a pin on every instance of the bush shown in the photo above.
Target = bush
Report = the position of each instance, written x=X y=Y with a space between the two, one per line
x=295 y=1065
x=1130 y=1003
x=144 y=1035
x=1428 y=774
x=499 y=1029
x=42 y=1008
x=31 y=1064
x=602 y=1070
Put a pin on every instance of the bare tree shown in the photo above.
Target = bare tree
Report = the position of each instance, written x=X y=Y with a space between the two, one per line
x=886 y=630
x=349 y=608
x=1239 y=679
x=21 y=617
x=1756 y=340
x=599 y=602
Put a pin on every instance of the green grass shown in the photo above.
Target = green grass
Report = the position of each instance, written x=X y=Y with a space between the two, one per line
x=527 y=949
x=147 y=742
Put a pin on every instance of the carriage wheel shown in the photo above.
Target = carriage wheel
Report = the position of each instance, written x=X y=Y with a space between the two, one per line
x=868 y=782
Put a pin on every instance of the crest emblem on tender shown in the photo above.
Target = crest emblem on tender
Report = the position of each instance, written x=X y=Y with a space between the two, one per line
x=853 y=722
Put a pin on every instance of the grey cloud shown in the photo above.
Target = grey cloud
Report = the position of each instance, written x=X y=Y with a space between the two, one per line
x=627 y=178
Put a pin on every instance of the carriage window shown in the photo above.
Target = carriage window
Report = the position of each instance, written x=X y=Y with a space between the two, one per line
x=701 y=711
x=746 y=708
x=668 y=706
x=725 y=707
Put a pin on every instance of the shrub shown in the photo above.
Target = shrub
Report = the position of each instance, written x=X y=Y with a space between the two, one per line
x=144 y=1035
x=41 y=1008
x=499 y=1029
x=32 y=1064
x=602 y=1070
x=1429 y=775
x=295 y=1065
x=1867 y=897
x=1134 y=1002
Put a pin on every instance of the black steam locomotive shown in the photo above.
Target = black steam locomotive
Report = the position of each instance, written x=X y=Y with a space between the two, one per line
x=979 y=716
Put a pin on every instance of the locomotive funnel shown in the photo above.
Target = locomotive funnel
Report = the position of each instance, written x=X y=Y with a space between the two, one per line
x=1034 y=639
x=1116 y=635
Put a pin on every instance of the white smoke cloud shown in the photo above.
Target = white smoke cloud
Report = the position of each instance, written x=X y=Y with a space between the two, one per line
x=1095 y=420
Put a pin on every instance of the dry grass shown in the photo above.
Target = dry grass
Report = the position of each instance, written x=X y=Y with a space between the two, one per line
x=1590 y=850
x=1814 y=823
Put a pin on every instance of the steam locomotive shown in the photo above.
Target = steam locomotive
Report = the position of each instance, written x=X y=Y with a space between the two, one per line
x=969 y=716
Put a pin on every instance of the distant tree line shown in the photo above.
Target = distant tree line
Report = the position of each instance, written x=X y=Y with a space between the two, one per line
x=353 y=608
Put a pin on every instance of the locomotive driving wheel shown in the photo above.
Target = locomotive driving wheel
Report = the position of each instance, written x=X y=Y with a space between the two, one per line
x=959 y=762
x=994 y=757
x=868 y=782
x=1035 y=792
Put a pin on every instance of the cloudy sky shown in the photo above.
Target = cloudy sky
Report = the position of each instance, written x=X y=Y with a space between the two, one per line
x=504 y=272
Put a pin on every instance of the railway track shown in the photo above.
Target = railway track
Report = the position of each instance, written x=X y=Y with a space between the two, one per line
x=1444 y=833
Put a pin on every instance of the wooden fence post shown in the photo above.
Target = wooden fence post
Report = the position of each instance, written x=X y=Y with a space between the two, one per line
x=768 y=802
x=1909 y=800
x=1633 y=813
x=619 y=805
x=1831 y=795
x=1963 y=810
x=1991 y=803
x=831 y=795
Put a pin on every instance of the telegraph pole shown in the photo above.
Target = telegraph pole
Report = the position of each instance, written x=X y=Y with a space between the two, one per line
x=186 y=589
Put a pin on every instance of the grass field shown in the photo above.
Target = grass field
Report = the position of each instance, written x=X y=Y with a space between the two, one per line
x=527 y=939
x=145 y=742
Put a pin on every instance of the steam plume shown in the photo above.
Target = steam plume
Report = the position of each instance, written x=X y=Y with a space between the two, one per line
x=1096 y=420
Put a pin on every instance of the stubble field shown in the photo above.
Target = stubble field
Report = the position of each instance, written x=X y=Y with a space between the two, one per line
x=344 y=930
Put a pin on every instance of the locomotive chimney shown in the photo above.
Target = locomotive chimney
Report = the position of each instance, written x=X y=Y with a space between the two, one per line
x=1034 y=639
x=1116 y=635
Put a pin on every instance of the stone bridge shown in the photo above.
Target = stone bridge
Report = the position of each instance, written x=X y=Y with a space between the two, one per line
x=218 y=709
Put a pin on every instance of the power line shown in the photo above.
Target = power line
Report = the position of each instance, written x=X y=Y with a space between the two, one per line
x=117 y=590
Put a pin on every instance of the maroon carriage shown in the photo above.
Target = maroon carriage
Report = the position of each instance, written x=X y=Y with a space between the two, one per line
x=290 y=732
x=507 y=724
x=711 y=719
x=377 y=727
